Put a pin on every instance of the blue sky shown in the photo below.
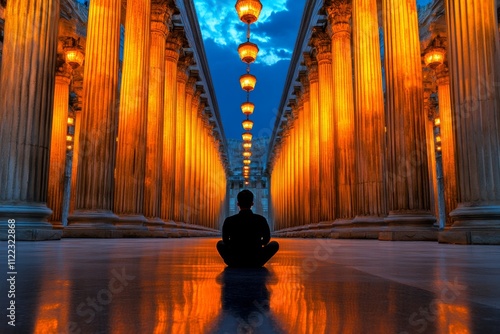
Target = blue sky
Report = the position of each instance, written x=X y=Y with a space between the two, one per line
x=275 y=34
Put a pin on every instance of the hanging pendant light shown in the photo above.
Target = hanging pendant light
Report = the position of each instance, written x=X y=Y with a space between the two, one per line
x=247 y=162
x=248 y=52
x=247 y=154
x=248 y=10
x=247 y=136
x=248 y=82
x=247 y=124
x=247 y=108
x=247 y=145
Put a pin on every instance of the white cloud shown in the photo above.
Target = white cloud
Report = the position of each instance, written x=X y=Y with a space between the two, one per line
x=220 y=23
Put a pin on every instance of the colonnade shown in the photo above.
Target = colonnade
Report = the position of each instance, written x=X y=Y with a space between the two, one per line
x=149 y=149
x=374 y=171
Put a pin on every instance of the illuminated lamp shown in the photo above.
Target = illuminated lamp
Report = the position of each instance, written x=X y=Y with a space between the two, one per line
x=247 y=82
x=438 y=139
x=247 y=108
x=71 y=121
x=247 y=125
x=437 y=121
x=74 y=57
x=247 y=145
x=248 y=52
x=247 y=136
x=248 y=10
x=246 y=168
x=247 y=154
x=247 y=183
x=247 y=162
x=434 y=57
x=69 y=138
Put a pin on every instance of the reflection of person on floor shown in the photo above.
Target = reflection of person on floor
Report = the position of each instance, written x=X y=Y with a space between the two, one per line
x=245 y=236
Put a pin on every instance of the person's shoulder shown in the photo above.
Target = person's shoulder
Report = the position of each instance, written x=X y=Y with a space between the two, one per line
x=231 y=218
x=259 y=217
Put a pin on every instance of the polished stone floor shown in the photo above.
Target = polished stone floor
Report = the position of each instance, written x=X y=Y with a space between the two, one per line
x=310 y=286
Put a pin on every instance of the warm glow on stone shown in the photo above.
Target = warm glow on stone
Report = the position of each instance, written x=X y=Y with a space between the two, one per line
x=248 y=10
x=248 y=82
x=247 y=125
x=247 y=108
x=248 y=52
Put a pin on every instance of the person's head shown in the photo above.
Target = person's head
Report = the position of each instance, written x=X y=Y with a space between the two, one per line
x=245 y=199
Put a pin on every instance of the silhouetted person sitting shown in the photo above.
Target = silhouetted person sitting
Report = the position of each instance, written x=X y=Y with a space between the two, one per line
x=245 y=236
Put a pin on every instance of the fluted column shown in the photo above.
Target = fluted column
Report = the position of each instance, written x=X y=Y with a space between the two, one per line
x=322 y=43
x=314 y=159
x=474 y=56
x=173 y=45
x=188 y=149
x=156 y=108
x=131 y=146
x=58 y=143
x=339 y=12
x=408 y=186
x=95 y=184
x=180 y=138
x=447 y=141
x=306 y=141
x=371 y=204
x=26 y=104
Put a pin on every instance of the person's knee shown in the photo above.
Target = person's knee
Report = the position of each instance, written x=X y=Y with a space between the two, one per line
x=274 y=245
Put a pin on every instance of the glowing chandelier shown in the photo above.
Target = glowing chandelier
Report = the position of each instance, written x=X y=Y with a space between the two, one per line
x=248 y=12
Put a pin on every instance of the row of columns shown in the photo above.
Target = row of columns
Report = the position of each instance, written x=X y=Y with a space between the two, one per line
x=373 y=156
x=147 y=160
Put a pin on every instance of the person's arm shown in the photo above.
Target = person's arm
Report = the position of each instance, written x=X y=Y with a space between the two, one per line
x=225 y=232
x=266 y=232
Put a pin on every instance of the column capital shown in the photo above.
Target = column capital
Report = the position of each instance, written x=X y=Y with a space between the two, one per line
x=312 y=66
x=184 y=62
x=322 y=42
x=173 y=44
x=161 y=17
x=304 y=80
x=339 y=15
x=443 y=74
x=191 y=82
x=64 y=73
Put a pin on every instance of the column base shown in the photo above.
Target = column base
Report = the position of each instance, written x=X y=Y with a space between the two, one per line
x=30 y=222
x=131 y=222
x=361 y=227
x=485 y=217
x=462 y=237
x=155 y=224
x=409 y=226
x=93 y=220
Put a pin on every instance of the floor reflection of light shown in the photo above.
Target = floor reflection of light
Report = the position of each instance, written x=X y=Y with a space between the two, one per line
x=52 y=312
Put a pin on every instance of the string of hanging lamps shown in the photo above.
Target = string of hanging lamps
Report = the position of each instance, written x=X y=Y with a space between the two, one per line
x=248 y=12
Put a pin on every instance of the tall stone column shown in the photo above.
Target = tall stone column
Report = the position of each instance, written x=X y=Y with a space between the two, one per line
x=475 y=71
x=173 y=45
x=156 y=108
x=339 y=12
x=58 y=143
x=447 y=141
x=322 y=44
x=95 y=184
x=306 y=141
x=131 y=147
x=180 y=137
x=371 y=204
x=408 y=186
x=312 y=66
x=188 y=149
x=26 y=105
